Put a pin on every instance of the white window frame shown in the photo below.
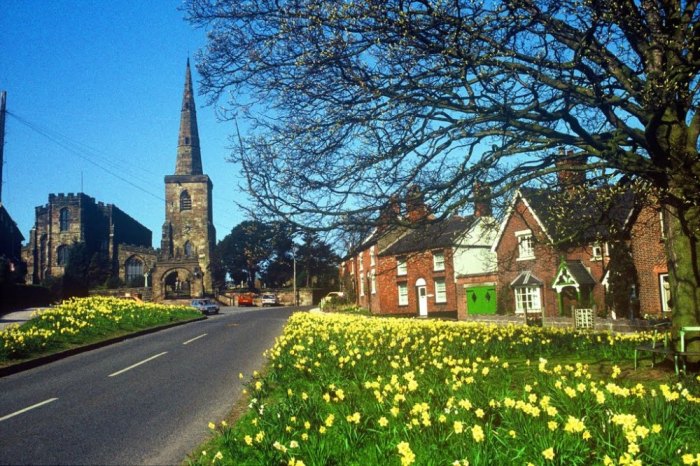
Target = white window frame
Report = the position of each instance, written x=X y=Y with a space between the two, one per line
x=401 y=266
x=530 y=295
x=362 y=284
x=440 y=291
x=403 y=294
x=438 y=261
x=662 y=224
x=664 y=293
x=599 y=250
x=371 y=256
x=525 y=237
x=373 y=282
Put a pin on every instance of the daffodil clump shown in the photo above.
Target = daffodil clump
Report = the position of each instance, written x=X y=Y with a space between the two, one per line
x=366 y=391
x=81 y=320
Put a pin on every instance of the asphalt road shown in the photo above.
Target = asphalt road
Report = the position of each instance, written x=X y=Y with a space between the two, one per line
x=147 y=400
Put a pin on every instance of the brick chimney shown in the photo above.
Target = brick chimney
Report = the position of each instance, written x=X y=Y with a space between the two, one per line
x=570 y=168
x=390 y=213
x=482 y=200
x=416 y=210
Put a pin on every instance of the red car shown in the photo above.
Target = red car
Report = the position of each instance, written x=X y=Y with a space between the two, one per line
x=245 y=299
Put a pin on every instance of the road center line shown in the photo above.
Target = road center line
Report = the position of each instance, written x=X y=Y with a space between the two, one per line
x=138 y=364
x=195 y=338
x=29 y=408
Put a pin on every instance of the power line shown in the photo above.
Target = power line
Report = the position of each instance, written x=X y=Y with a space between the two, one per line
x=78 y=150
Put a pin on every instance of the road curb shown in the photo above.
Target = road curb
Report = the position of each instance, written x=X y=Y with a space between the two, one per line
x=41 y=360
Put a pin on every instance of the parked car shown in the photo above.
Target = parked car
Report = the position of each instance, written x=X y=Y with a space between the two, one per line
x=246 y=299
x=205 y=306
x=269 y=299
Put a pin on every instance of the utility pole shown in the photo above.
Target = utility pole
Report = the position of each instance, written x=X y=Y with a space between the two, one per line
x=294 y=257
x=3 y=98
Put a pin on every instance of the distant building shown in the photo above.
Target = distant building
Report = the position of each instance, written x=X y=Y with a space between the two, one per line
x=10 y=239
x=78 y=218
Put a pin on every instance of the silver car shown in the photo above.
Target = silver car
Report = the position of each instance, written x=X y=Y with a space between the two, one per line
x=205 y=306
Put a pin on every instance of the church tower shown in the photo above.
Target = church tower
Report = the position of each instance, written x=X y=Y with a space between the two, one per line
x=183 y=268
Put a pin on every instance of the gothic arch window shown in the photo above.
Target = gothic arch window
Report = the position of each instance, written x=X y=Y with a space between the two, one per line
x=64 y=219
x=134 y=269
x=43 y=242
x=185 y=201
x=188 y=249
x=62 y=255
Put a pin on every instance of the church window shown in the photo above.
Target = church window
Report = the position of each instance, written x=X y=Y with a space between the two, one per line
x=188 y=249
x=185 y=201
x=64 y=219
x=62 y=255
x=134 y=269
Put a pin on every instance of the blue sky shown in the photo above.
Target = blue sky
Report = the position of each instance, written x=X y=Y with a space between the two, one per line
x=104 y=80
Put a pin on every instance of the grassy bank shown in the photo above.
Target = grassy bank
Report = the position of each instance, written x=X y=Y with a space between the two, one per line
x=81 y=321
x=364 y=391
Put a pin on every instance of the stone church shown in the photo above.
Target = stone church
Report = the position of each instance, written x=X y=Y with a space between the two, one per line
x=181 y=269
x=103 y=228
x=183 y=266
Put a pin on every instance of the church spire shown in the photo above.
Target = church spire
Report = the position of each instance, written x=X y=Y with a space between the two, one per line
x=189 y=159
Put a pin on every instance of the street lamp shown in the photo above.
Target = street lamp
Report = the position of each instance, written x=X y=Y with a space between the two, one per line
x=294 y=273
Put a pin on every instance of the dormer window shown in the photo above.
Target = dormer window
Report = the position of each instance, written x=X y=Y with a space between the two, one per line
x=185 y=201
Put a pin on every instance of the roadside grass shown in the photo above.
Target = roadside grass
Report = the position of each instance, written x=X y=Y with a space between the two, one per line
x=82 y=321
x=352 y=390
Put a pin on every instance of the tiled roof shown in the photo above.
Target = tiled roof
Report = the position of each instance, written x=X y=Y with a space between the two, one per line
x=438 y=234
x=579 y=272
x=582 y=217
x=526 y=279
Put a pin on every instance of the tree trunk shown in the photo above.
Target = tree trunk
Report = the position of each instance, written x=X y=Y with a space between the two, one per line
x=684 y=273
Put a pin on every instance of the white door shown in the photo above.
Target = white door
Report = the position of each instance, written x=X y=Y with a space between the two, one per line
x=422 y=297
x=422 y=301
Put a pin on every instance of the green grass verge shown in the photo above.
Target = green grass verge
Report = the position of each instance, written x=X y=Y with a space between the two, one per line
x=83 y=321
x=350 y=390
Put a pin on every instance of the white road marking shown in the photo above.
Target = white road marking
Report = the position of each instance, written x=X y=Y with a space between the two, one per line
x=29 y=408
x=138 y=364
x=195 y=338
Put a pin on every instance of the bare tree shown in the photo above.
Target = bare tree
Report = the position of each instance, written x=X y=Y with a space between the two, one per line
x=353 y=102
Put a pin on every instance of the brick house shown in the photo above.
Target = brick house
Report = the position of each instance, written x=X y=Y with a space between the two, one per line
x=554 y=251
x=421 y=267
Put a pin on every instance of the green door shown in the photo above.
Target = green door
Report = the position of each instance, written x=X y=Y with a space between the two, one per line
x=481 y=300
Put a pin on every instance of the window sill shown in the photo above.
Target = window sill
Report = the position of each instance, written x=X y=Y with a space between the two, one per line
x=527 y=258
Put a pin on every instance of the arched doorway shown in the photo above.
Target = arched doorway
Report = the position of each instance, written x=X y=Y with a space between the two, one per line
x=177 y=284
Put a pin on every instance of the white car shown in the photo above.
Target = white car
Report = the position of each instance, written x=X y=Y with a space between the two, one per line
x=269 y=299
